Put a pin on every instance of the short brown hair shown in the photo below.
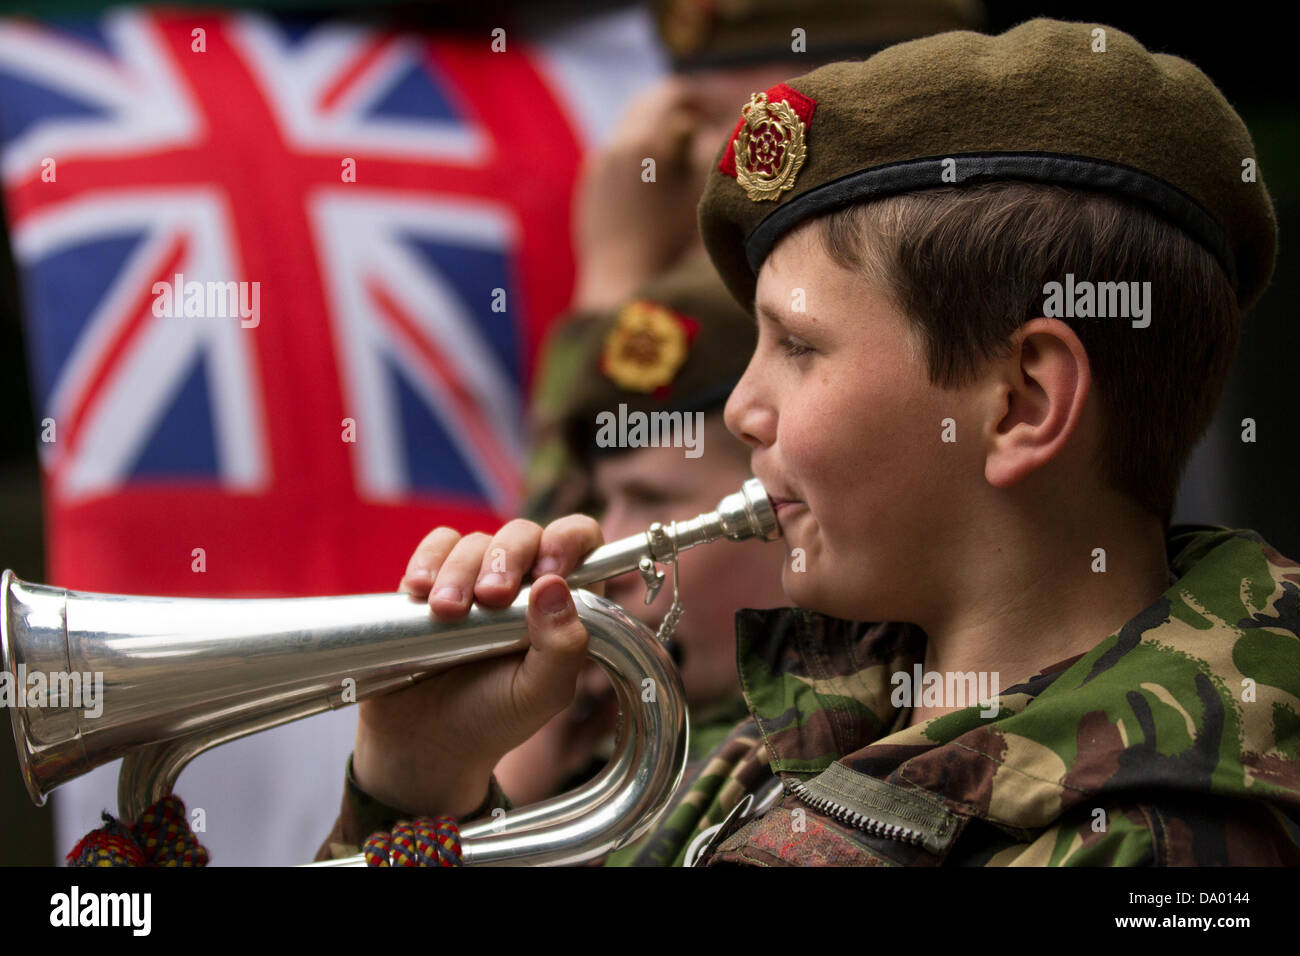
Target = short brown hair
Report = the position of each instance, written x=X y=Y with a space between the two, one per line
x=968 y=266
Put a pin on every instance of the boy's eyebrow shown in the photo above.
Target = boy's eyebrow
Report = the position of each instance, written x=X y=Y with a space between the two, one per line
x=775 y=317
x=762 y=309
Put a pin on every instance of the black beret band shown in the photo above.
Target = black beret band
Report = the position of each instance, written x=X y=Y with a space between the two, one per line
x=1053 y=168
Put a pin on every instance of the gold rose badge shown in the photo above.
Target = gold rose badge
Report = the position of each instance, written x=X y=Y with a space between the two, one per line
x=769 y=148
x=645 y=348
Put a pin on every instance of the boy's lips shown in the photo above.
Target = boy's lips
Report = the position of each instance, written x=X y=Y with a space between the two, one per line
x=785 y=508
x=782 y=501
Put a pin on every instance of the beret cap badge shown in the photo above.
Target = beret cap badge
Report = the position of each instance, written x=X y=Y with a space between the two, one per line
x=645 y=348
x=769 y=147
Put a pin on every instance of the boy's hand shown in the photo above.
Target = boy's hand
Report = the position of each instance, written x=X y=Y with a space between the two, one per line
x=430 y=749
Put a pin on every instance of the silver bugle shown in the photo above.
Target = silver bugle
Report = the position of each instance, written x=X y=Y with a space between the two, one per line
x=183 y=675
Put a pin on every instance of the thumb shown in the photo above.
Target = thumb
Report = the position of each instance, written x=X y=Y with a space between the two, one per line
x=548 y=676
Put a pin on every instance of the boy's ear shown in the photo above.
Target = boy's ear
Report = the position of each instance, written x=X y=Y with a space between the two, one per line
x=1041 y=389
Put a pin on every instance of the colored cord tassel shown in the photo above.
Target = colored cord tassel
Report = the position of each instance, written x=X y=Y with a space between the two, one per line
x=162 y=837
x=425 y=842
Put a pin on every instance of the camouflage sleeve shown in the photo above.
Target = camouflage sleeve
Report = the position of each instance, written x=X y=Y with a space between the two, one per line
x=1187 y=831
x=1104 y=836
x=361 y=815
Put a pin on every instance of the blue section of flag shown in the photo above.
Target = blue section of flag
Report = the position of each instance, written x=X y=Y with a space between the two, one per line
x=475 y=274
x=183 y=443
x=24 y=104
x=296 y=28
x=88 y=32
x=434 y=463
x=415 y=95
x=62 y=292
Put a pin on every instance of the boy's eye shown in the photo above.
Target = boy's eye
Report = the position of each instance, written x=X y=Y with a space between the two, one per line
x=793 y=347
x=634 y=497
x=646 y=497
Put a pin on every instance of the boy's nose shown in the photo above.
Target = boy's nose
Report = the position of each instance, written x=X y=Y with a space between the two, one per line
x=747 y=417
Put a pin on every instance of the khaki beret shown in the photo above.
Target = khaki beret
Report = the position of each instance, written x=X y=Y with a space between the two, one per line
x=1072 y=104
x=680 y=344
x=707 y=34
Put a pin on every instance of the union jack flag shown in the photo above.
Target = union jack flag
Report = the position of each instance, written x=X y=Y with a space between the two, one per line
x=399 y=205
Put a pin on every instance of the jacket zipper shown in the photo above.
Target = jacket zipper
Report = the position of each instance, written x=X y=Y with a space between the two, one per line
x=861 y=821
x=881 y=809
x=873 y=806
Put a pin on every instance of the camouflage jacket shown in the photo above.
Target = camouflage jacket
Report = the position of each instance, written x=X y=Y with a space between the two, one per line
x=1174 y=741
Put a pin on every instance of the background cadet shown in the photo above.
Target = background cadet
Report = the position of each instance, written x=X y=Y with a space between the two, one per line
x=679 y=346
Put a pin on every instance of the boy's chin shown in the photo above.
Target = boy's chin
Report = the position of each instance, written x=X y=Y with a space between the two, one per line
x=800 y=588
x=824 y=597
